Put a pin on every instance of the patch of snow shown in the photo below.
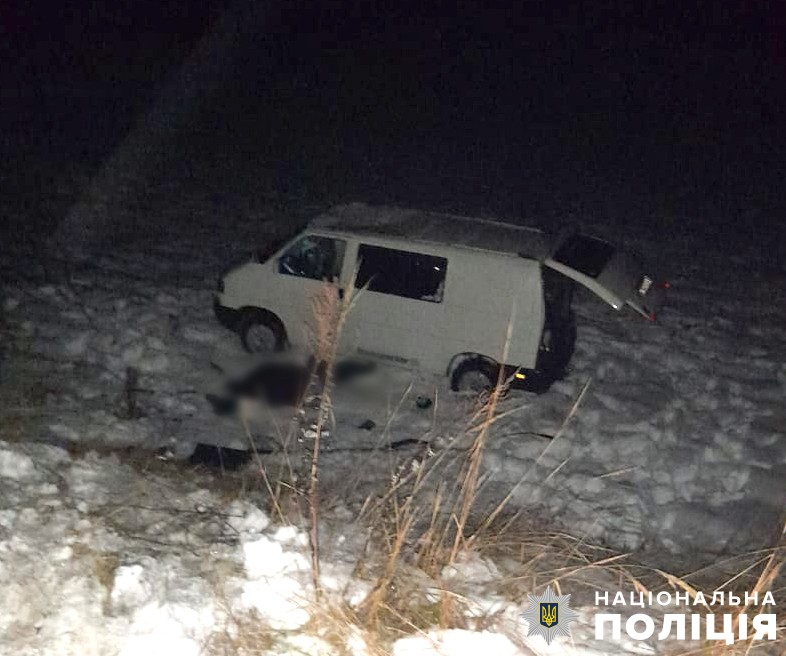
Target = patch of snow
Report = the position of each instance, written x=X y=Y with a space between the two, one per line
x=470 y=566
x=290 y=535
x=266 y=558
x=282 y=602
x=10 y=304
x=77 y=345
x=130 y=588
x=17 y=466
x=164 y=630
x=246 y=518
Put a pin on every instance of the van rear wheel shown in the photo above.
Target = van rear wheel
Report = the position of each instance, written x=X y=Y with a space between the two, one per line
x=474 y=375
x=261 y=332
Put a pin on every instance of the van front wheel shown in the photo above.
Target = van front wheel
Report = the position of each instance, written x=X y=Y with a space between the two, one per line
x=474 y=375
x=261 y=332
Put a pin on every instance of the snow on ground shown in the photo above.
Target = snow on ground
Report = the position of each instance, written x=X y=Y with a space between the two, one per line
x=98 y=557
x=677 y=448
x=676 y=451
x=107 y=555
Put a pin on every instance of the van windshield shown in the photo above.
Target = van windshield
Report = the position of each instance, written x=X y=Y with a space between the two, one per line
x=585 y=254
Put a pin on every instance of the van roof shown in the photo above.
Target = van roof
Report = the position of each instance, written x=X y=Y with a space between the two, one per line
x=433 y=227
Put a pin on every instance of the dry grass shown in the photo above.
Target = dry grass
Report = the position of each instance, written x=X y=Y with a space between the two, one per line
x=414 y=541
x=242 y=635
x=423 y=523
x=104 y=566
x=420 y=530
x=330 y=313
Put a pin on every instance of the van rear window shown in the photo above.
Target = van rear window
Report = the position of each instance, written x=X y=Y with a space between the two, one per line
x=401 y=273
x=585 y=254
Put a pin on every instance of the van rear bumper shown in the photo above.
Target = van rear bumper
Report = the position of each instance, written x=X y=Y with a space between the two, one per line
x=227 y=317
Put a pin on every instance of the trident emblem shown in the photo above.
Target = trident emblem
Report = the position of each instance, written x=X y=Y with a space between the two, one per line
x=548 y=614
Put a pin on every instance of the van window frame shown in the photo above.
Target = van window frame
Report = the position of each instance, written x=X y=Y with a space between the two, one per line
x=366 y=284
x=338 y=267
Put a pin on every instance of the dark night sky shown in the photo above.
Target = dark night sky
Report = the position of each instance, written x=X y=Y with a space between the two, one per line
x=520 y=107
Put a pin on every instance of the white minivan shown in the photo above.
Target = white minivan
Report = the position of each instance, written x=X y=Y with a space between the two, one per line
x=446 y=294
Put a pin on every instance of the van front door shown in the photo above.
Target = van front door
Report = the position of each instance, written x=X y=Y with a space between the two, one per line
x=309 y=271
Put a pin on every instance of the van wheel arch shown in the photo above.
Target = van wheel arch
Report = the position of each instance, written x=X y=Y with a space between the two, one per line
x=254 y=316
x=464 y=363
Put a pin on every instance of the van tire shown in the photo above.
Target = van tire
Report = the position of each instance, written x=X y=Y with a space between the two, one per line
x=257 y=327
x=474 y=374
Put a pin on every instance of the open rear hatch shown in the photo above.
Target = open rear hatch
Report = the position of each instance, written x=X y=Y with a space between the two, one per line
x=616 y=276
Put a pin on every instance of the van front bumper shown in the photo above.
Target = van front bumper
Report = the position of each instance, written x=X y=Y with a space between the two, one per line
x=227 y=317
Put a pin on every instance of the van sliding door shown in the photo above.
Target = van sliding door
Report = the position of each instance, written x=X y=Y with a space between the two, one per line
x=398 y=308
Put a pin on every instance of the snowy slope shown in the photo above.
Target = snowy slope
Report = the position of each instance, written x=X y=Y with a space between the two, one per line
x=98 y=557
x=677 y=447
x=101 y=554
x=676 y=453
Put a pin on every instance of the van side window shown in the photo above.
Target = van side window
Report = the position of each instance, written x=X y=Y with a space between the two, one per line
x=314 y=257
x=401 y=273
x=587 y=255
